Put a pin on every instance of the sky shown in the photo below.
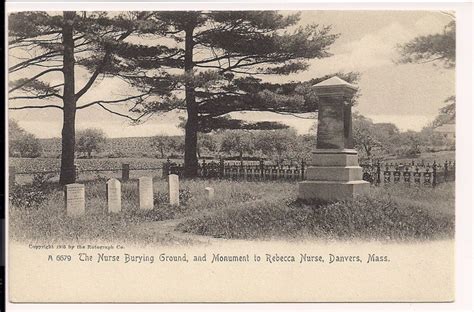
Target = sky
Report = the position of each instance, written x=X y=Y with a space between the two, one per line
x=408 y=95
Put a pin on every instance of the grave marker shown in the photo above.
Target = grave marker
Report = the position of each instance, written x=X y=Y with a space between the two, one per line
x=210 y=193
x=75 y=199
x=145 y=193
x=173 y=189
x=114 y=195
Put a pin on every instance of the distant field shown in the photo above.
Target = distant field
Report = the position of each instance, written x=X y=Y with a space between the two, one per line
x=114 y=147
x=441 y=156
x=50 y=164
x=113 y=167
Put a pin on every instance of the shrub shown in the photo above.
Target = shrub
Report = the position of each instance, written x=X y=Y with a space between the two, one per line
x=22 y=143
x=31 y=195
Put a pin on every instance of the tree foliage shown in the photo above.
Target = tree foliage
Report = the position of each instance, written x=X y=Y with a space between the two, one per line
x=90 y=140
x=212 y=62
x=22 y=143
x=447 y=114
x=431 y=48
x=43 y=44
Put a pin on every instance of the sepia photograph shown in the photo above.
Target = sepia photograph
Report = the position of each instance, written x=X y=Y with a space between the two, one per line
x=231 y=155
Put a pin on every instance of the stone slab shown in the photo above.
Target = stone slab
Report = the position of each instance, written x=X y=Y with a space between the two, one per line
x=114 y=195
x=334 y=159
x=210 y=193
x=75 y=199
x=145 y=193
x=345 y=174
x=173 y=189
x=331 y=190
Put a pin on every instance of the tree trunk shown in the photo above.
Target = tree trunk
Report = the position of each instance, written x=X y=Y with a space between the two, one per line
x=191 y=129
x=68 y=174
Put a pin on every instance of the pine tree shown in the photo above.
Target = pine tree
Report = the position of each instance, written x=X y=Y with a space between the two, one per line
x=213 y=58
x=41 y=44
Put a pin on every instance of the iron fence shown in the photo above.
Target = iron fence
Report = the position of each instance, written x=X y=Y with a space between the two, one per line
x=248 y=171
x=426 y=174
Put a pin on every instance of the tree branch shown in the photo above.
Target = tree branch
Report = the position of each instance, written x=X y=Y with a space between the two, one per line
x=41 y=96
x=33 y=106
x=35 y=77
x=100 y=67
x=100 y=102
x=122 y=115
x=39 y=57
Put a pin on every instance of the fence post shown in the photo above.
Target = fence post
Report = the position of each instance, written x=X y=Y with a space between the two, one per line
x=445 y=171
x=302 y=168
x=76 y=171
x=434 y=173
x=11 y=176
x=378 y=172
x=125 y=172
x=166 y=168
x=261 y=168
x=204 y=169
x=221 y=167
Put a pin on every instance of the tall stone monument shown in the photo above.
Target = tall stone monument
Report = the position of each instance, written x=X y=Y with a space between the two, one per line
x=334 y=172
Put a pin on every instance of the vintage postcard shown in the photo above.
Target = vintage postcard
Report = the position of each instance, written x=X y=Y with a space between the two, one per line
x=211 y=155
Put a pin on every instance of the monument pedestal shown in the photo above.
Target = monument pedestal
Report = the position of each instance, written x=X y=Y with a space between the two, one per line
x=333 y=175
x=334 y=172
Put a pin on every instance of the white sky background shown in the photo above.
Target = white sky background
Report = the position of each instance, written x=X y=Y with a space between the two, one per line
x=408 y=95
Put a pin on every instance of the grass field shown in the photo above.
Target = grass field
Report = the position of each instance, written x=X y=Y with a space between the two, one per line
x=241 y=210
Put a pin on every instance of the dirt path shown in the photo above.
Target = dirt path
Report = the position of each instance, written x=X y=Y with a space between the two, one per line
x=167 y=229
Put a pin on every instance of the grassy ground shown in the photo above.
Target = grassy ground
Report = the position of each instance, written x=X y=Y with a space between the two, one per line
x=244 y=210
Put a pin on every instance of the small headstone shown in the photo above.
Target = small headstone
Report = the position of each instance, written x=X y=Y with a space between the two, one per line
x=210 y=193
x=114 y=195
x=145 y=193
x=173 y=189
x=75 y=199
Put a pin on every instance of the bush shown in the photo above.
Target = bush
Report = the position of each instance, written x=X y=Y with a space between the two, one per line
x=407 y=151
x=89 y=140
x=31 y=195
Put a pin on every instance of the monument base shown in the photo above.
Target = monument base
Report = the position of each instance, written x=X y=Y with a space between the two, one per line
x=333 y=175
x=331 y=190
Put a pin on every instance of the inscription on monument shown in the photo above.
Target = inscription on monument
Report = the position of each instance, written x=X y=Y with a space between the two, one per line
x=75 y=199
x=114 y=195
x=145 y=193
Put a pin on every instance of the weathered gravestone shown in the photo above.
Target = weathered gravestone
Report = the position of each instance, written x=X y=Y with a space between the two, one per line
x=210 y=193
x=334 y=172
x=173 y=189
x=114 y=195
x=145 y=193
x=74 y=195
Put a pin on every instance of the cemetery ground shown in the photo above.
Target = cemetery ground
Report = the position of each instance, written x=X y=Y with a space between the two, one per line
x=240 y=210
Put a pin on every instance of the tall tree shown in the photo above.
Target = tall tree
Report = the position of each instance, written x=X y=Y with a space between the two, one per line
x=435 y=48
x=219 y=54
x=439 y=47
x=43 y=44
